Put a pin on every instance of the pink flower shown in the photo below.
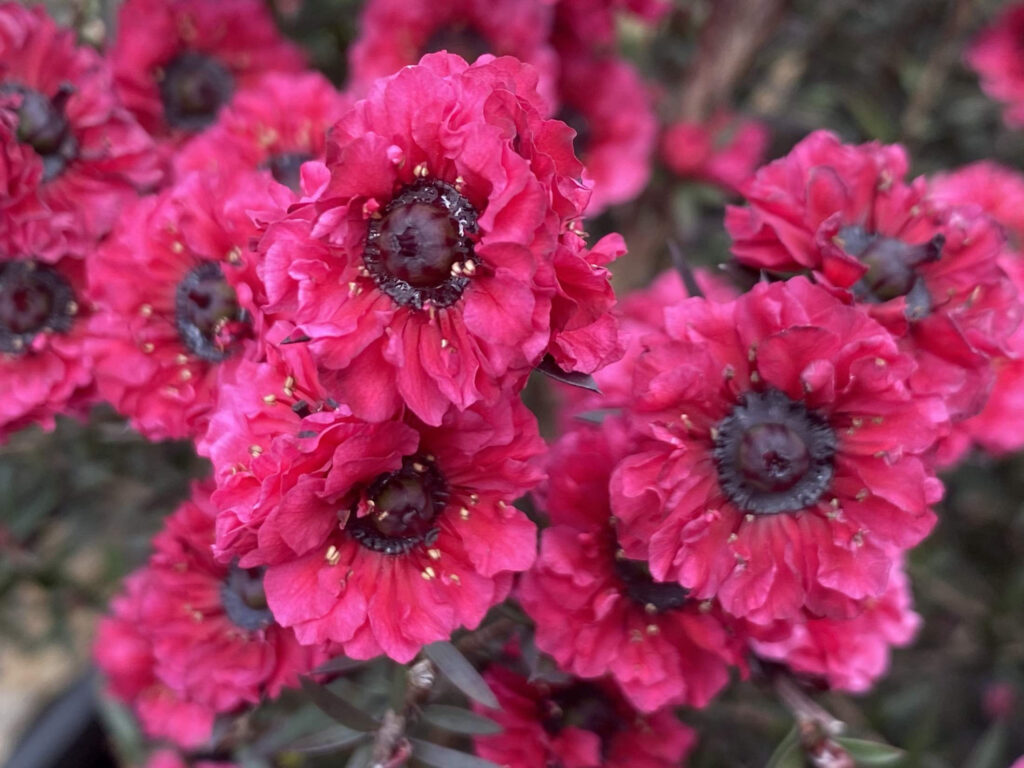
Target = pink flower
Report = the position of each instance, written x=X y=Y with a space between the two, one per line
x=396 y=33
x=275 y=125
x=999 y=192
x=849 y=654
x=72 y=155
x=725 y=150
x=606 y=101
x=598 y=613
x=997 y=55
x=177 y=62
x=781 y=468
x=176 y=291
x=576 y=725
x=930 y=273
x=437 y=259
x=44 y=365
x=189 y=638
x=382 y=537
x=593 y=22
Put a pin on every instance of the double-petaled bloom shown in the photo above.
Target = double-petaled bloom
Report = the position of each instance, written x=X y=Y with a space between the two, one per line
x=600 y=613
x=779 y=468
x=190 y=638
x=437 y=257
x=928 y=271
x=380 y=536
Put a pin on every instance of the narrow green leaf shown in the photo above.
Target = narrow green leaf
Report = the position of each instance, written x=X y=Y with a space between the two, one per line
x=988 y=752
x=789 y=753
x=460 y=672
x=443 y=757
x=598 y=415
x=550 y=368
x=360 y=757
x=334 y=738
x=458 y=720
x=870 y=753
x=339 y=664
x=339 y=709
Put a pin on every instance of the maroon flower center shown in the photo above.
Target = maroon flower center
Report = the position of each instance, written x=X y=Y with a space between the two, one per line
x=640 y=587
x=285 y=167
x=457 y=38
x=208 y=317
x=420 y=250
x=773 y=454
x=581 y=705
x=404 y=507
x=44 y=126
x=243 y=598
x=892 y=265
x=34 y=298
x=193 y=88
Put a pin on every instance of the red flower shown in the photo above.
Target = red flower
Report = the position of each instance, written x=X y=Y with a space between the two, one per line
x=381 y=536
x=437 y=260
x=576 y=725
x=928 y=272
x=396 y=33
x=999 y=192
x=275 y=126
x=997 y=55
x=606 y=101
x=189 y=638
x=177 y=62
x=72 y=155
x=598 y=613
x=725 y=150
x=44 y=368
x=175 y=290
x=850 y=654
x=780 y=472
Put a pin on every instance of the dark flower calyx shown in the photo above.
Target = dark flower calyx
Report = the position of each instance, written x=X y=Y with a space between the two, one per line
x=773 y=454
x=193 y=88
x=243 y=599
x=419 y=250
x=209 y=320
x=891 y=263
x=34 y=298
x=404 y=506
x=640 y=587
x=43 y=125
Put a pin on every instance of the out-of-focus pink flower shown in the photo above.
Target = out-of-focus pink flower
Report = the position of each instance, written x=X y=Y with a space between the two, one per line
x=997 y=55
x=725 y=150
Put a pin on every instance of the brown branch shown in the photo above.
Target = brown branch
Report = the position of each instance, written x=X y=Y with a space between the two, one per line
x=728 y=43
x=391 y=748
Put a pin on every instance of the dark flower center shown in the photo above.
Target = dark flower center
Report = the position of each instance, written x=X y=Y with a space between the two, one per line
x=892 y=264
x=773 y=454
x=579 y=123
x=193 y=89
x=44 y=126
x=581 y=705
x=34 y=298
x=209 y=319
x=420 y=249
x=285 y=167
x=243 y=598
x=459 y=39
x=641 y=588
x=404 y=507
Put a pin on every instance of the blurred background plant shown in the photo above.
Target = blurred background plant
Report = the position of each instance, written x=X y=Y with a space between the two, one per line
x=78 y=506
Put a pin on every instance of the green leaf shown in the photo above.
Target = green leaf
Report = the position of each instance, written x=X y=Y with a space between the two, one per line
x=339 y=709
x=988 y=752
x=339 y=664
x=460 y=672
x=442 y=757
x=598 y=415
x=458 y=720
x=360 y=757
x=550 y=368
x=870 y=753
x=789 y=753
x=329 y=740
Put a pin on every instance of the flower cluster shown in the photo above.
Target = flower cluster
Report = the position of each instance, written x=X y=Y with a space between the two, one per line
x=338 y=298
